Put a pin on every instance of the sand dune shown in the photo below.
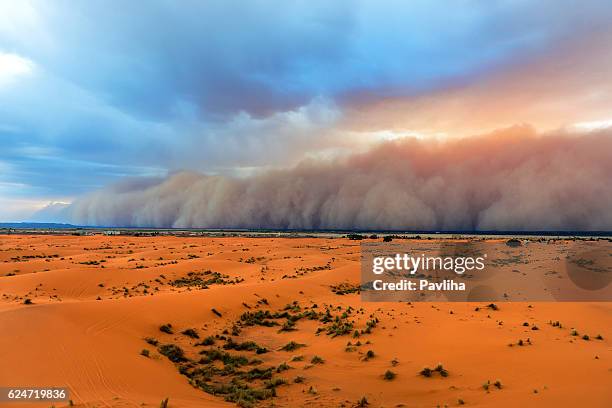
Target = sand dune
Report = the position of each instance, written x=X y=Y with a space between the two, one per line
x=95 y=299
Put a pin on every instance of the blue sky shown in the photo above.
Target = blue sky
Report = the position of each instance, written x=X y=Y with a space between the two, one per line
x=92 y=92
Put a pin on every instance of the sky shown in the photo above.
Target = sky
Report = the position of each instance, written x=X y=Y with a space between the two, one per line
x=94 y=93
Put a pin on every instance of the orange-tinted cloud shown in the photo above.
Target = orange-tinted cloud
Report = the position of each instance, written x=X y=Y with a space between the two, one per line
x=567 y=84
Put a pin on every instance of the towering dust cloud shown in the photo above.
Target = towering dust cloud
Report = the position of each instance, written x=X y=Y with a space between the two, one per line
x=508 y=180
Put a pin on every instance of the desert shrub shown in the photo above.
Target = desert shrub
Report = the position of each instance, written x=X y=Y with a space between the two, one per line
x=173 y=352
x=201 y=280
x=191 y=333
x=439 y=368
x=258 y=318
x=166 y=328
x=317 y=360
x=145 y=353
x=246 y=346
x=151 y=341
x=239 y=393
x=426 y=372
x=292 y=345
x=362 y=403
x=225 y=357
x=339 y=327
x=355 y=237
x=208 y=341
x=289 y=325
x=258 y=374
x=389 y=375
x=345 y=288
x=274 y=382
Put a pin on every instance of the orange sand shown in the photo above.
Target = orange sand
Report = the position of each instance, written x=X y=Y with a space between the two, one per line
x=85 y=332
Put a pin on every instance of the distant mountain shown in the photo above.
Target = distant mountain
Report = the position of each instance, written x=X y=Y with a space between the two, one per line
x=39 y=225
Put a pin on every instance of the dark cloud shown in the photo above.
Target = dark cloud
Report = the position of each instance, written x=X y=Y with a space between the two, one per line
x=263 y=57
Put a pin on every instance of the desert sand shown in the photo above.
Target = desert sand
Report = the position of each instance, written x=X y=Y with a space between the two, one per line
x=79 y=311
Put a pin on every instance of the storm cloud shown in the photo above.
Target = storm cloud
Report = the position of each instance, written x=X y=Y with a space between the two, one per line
x=98 y=91
x=514 y=179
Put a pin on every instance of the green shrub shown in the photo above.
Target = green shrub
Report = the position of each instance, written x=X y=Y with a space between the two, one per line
x=173 y=352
